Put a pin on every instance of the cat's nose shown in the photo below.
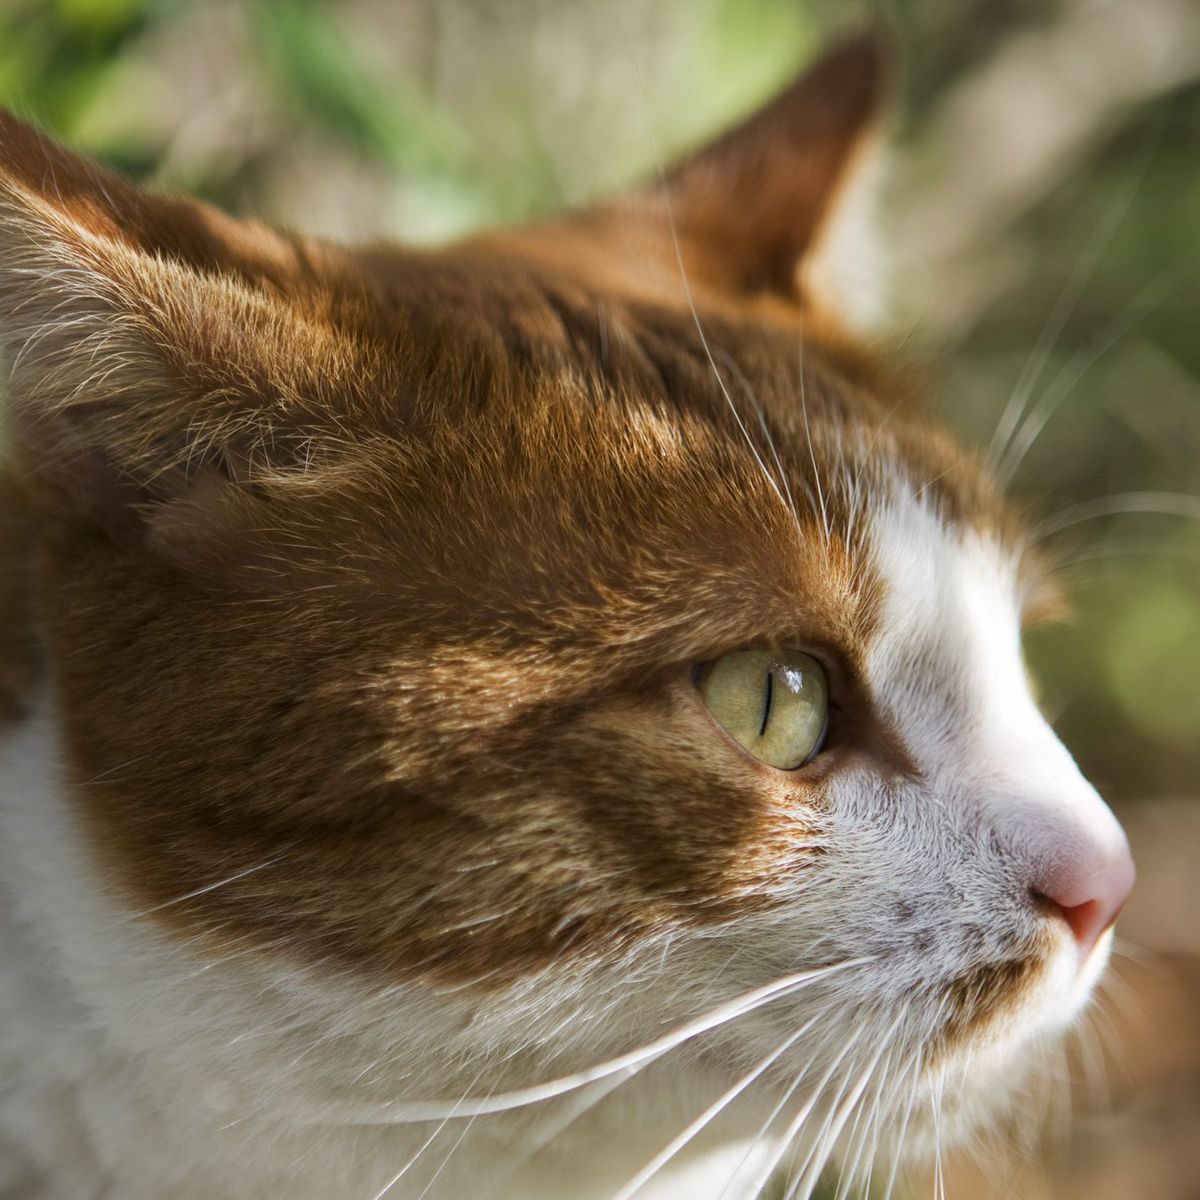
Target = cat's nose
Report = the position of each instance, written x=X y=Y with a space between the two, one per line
x=1085 y=880
x=1065 y=843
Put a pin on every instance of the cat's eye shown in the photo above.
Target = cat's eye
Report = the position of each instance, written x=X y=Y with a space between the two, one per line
x=775 y=703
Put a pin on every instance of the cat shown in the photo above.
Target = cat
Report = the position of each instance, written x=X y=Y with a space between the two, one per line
x=538 y=718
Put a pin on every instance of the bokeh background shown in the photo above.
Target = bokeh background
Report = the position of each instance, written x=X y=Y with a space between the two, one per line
x=1044 y=215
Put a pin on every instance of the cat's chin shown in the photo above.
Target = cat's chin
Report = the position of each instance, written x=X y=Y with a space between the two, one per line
x=1005 y=1069
x=1052 y=994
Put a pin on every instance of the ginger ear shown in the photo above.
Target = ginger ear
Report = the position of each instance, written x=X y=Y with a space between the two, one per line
x=782 y=203
x=155 y=349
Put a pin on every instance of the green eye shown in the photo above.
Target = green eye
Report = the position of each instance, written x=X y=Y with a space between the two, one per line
x=775 y=703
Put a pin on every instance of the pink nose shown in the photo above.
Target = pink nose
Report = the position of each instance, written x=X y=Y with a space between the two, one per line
x=1087 y=885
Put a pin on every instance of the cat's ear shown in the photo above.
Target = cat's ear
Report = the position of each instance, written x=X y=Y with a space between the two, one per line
x=785 y=202
x=153 y=347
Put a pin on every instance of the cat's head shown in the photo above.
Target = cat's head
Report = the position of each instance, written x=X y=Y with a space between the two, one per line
x=578 y=626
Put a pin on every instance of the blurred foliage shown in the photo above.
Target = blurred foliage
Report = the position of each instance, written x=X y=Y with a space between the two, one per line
x=423 y=120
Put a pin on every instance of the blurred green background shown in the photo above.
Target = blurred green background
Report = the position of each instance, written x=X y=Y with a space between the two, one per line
x=1044 y=213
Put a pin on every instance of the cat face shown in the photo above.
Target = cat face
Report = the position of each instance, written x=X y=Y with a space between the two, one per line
x=376 y=588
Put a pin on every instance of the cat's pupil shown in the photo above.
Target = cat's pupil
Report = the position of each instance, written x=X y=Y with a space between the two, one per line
x=767 y=703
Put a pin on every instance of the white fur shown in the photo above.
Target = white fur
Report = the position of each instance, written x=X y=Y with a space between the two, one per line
x=971 y=717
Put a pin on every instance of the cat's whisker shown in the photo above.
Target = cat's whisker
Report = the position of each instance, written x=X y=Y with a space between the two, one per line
x=962 y=458
x=802 y=1177
x=901 y=1100
x=867 y=454
x=1085 y=267
x=1109 y=1037
x=835 y=1122
x=740 y=376
x=1168 y=504
x=449 y=1155
x=1063 y=1095
x=407 y=1112
x=395 y=1179
x=808 y=438
x=918 y=1066
x=935 y=1101
x=902 y=1133
x=801 y=1116
x=1125 y=947
x=677 y=249
x=206 y=889
x=862 y=1165
x=1124 y=996
x=822 y=1144
x=1124 y=547
x=856 y=1139
x=788 y=1093
x=1091 y=1060
x=583 y=1103
x=864 y=1132
x=1057 y=1104
x=696 y=1127
x=1073 y=371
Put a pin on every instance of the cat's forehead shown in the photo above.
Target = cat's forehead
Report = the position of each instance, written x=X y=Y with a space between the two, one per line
x=496 y=331
x=623 y=453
